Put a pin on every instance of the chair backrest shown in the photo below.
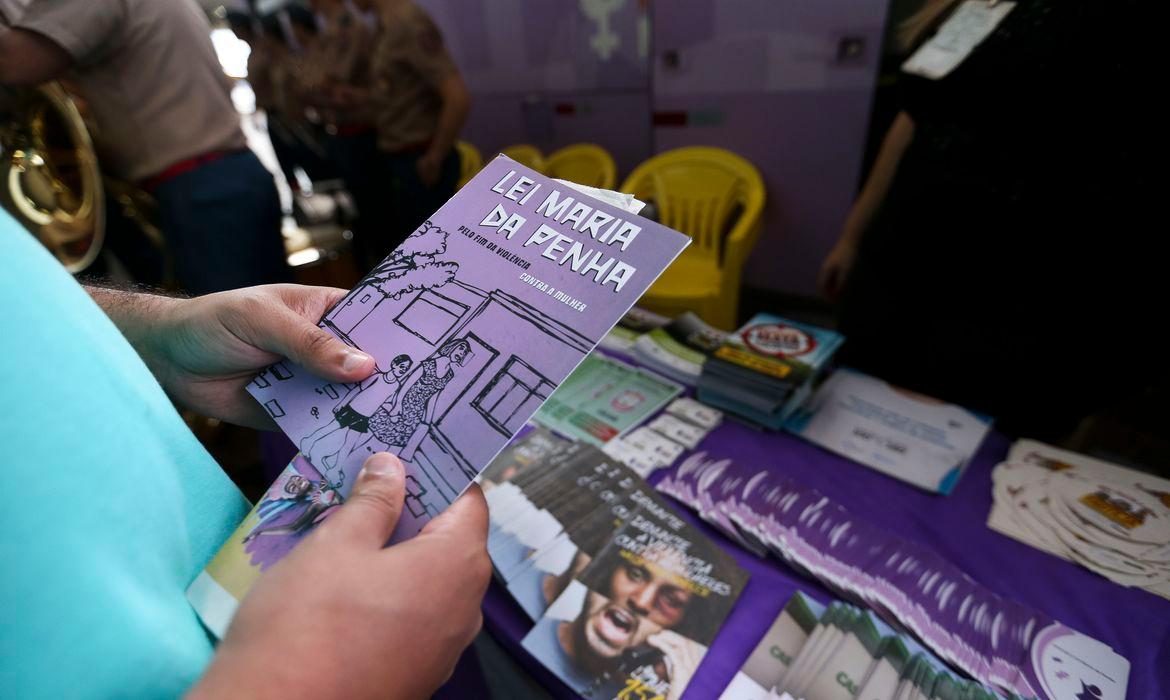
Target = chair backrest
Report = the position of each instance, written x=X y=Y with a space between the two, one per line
x=583 y=163
x=526 y=154
x=697 y=190
x=470 y=161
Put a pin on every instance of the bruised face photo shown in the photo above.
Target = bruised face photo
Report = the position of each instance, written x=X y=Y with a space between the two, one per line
x=650 y=591
x=644 y=598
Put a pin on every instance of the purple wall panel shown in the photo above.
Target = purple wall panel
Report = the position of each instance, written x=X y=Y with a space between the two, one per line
x=761 y=78
x=810 y=179
x=620 y=121
x=764 y=79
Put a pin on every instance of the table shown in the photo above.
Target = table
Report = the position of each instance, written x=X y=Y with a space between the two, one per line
x=1135 y=623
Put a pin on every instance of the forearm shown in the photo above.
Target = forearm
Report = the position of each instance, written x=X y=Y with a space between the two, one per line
x=452 y=116
x=881 y=177
x=139 y=316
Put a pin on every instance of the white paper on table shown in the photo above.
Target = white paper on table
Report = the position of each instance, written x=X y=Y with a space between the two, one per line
x=911 y=437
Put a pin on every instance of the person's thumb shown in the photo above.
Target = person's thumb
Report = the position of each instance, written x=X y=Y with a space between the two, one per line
x=314 y=348
x=467 y=518
x=370 y=513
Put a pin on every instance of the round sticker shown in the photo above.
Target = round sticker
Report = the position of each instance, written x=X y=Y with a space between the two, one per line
x=778 y=340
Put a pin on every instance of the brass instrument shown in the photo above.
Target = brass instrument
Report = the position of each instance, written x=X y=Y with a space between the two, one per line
x=49 y=176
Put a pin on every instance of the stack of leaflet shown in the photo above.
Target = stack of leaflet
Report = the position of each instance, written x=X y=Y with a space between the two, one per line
x=841 y=652
x=576 y=536
x=765 y=371
x=680 y=348
x=603 y=399
x=633 y=325
x=995 y=640
x=1109 y=519
x=682 y=426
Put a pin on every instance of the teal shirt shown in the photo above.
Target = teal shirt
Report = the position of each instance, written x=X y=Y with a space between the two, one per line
x=110 y=506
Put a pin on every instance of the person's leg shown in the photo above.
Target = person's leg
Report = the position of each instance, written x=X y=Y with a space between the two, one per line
x=326 y=447
x=335 y=448
x=222 y=223
x=356 y=159
x=308 y=442
x=353 y=440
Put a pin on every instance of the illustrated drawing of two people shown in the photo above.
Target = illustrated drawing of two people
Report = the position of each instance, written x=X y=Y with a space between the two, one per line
x=389 y=407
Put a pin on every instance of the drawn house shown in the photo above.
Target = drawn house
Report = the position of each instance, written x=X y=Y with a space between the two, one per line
x=508 y=374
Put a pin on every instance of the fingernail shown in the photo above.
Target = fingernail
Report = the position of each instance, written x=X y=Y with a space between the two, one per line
x=382 y=464
x=352 y=359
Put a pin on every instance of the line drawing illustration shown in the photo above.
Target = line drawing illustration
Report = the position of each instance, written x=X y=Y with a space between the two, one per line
x=469 y=368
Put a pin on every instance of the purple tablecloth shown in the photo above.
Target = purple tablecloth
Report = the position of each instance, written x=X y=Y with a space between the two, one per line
x=1133 y=622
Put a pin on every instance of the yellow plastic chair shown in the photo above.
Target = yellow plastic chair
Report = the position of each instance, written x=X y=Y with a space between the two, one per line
x=583 y=163
x=527 y=155
x=716 y=198
x=470 y=162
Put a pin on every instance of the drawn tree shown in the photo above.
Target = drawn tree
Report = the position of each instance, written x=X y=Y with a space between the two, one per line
x=413 y=267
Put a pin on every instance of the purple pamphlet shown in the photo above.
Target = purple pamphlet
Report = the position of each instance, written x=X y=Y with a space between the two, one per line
x=473 y=322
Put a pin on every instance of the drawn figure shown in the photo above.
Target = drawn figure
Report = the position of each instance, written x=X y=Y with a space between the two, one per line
x=326 y=446
x=396 y=426
x=315 y=500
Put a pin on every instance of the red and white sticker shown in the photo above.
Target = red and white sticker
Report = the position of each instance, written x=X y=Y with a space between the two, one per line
x=778 y=340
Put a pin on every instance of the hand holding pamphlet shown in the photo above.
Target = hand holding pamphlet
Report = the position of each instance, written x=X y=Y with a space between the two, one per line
x=473 y=322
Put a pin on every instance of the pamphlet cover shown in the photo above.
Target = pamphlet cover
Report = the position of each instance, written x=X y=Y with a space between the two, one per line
x=639 y=618
x=473 y=321
x=779 y=349
x=603 y=399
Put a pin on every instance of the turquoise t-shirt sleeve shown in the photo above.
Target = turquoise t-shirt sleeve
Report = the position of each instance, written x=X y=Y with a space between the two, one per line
x=111 y=506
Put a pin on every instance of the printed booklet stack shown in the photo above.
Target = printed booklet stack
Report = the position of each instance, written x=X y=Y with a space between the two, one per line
x=603 y=399
x=1109 y=519
x=766 y=370
x=473 y=322
x=996 y=641
x=626 y=596
x=679 y=349
x=840 y=652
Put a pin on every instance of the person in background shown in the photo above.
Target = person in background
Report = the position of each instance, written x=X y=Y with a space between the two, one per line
x=121 y=508
x=295 y=75
x=997 y=256
x=421 y=103
x=165 y=120
x=344 y=105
